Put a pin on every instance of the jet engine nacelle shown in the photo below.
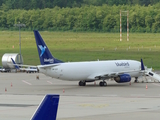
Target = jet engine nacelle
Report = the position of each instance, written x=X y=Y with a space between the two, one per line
x=123 y=78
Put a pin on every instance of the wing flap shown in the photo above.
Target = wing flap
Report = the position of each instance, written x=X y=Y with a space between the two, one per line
x=107 y=75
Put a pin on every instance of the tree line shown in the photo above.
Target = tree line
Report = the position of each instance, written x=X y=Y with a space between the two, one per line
x=103 y=18
x=41 y=4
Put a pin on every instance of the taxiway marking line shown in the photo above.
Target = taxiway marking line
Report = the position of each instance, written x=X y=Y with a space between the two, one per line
x=49 y=82
x=26 y=82
x=137 y=95
x=110 y=95
x=82 y=94
x=155 y=84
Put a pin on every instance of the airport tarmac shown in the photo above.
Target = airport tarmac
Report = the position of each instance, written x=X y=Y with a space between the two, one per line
x=20 y=94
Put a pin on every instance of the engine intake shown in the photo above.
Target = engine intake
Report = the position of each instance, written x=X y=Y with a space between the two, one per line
x=123 y=78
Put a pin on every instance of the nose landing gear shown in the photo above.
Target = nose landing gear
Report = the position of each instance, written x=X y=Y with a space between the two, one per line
x=136 y=80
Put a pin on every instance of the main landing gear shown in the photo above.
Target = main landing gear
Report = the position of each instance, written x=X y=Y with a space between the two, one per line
x=102 y=83
x=82 y=83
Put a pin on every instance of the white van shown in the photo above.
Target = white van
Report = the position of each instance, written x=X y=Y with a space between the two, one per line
x=31 y=70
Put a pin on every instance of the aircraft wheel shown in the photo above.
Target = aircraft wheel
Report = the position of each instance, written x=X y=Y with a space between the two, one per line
x=81 y=83
x=136 y=80
x=84 y=83
x=102 y=83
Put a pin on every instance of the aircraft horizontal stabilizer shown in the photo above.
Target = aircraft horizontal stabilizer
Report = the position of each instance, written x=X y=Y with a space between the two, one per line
x=47 y=66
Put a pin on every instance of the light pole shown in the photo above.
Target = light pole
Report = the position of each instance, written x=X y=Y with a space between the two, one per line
x=20 y=25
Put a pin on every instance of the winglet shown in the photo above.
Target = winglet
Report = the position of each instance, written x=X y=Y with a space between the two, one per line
x=47 y=109
x=142 y=65
x=16 y=66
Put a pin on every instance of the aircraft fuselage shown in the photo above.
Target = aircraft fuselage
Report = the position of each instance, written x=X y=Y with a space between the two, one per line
x=76 y=71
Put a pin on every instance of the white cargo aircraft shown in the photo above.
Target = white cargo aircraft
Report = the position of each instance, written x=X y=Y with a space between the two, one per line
x=120 y=70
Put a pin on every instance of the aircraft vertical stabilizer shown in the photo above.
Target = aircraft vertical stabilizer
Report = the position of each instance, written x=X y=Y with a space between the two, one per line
x=45 y=55
x=47 y=110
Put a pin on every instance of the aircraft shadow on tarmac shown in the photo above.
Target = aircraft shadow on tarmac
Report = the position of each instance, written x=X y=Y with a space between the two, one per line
x=90 y=85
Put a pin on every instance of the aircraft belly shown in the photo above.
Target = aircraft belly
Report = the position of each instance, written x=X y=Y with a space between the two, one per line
x=135 y=74
x=69 y=75
x=50 y=73
x=73 y=77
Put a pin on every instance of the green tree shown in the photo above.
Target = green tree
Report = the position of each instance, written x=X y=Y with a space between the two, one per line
x=109 y=22
x=3 y=19
x=149 y=21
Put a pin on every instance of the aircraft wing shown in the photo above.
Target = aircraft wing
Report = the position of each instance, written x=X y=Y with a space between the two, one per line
x=107 y=75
